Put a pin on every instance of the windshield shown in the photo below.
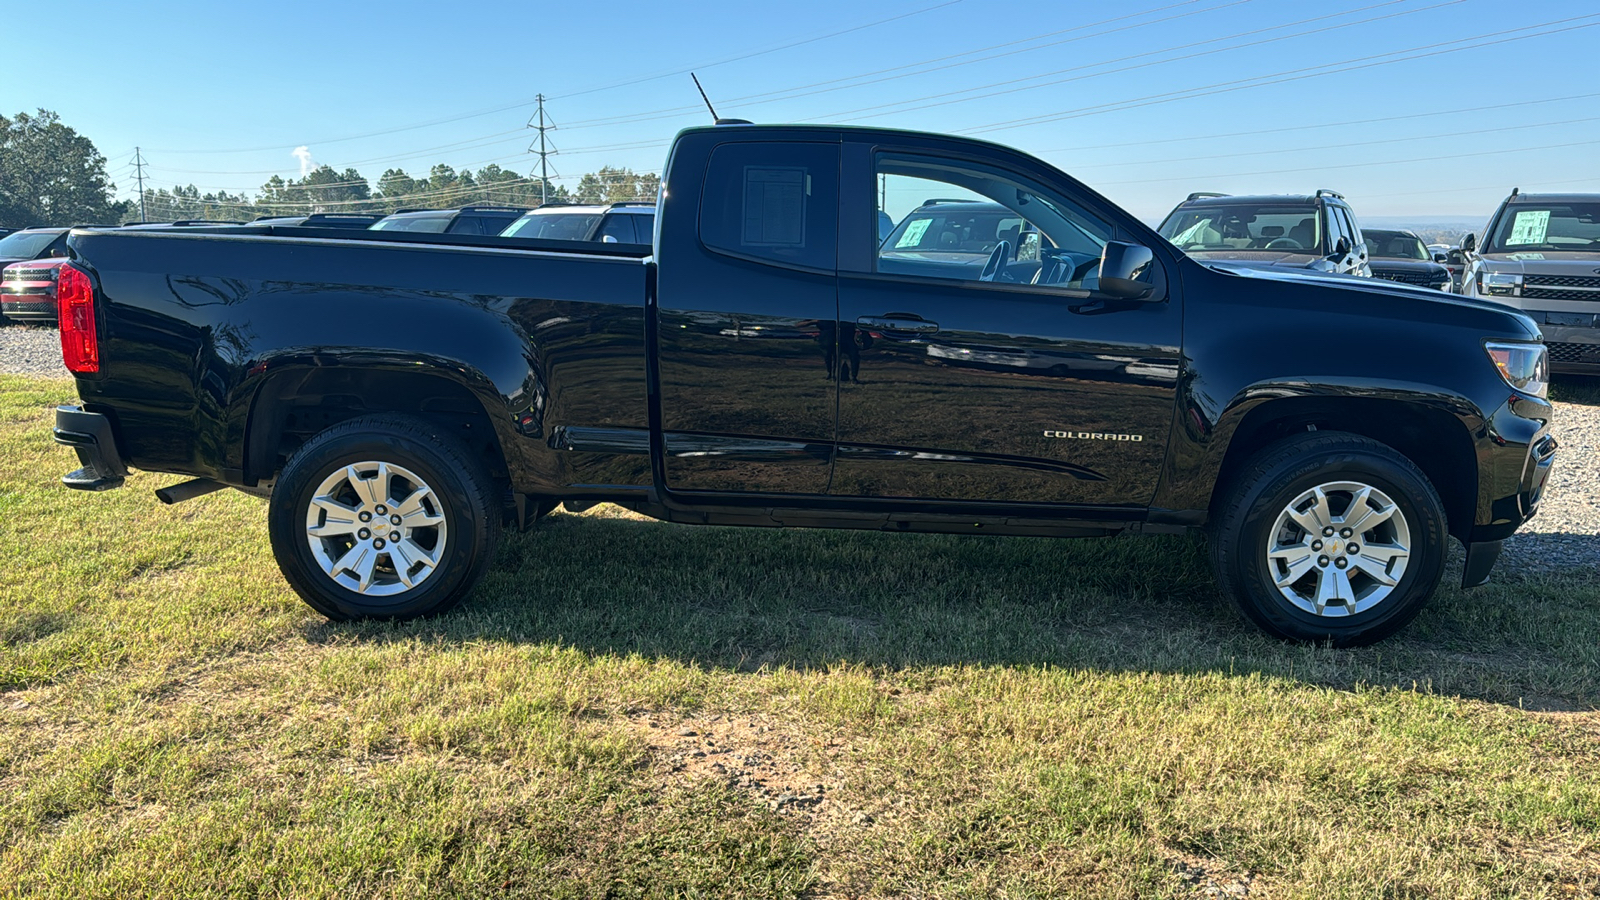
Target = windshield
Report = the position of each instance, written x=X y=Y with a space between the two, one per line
x=1244 y=227
x=1556 y=226
x=1396 y=245
x=429 y=224
x=26 y=244
x=554 y=227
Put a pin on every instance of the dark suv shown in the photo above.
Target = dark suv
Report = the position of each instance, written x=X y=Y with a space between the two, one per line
x=477 y=220
x=1402 y=256
x=1317 y=231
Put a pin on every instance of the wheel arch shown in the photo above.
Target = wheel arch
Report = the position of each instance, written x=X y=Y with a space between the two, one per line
x=1436 y=440
x=293 y=402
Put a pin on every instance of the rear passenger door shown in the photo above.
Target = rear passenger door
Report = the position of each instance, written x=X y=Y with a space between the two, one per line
x=745 y=312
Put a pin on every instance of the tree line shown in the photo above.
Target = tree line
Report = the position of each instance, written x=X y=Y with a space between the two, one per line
x=51 y=175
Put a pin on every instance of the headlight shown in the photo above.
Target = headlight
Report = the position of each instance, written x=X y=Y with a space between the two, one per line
x=1525 y=367
x=1499 y=284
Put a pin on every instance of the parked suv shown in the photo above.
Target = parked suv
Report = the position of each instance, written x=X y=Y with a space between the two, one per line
x=629 y=222
x=1541 y=254
x=1401 y=256
x=478 y=220
x=1317 y=232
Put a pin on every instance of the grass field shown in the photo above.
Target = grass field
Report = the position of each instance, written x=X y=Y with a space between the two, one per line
x=632 y=709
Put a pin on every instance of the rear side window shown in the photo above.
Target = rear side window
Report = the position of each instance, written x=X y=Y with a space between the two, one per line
x=619 y=227
x=774 y=203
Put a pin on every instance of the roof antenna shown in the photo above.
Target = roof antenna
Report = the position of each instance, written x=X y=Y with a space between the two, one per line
x=715 y=119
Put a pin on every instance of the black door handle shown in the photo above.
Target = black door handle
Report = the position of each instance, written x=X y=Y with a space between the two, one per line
x=904 y=326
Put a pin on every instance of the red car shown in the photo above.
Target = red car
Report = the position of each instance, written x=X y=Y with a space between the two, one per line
x=28 y=291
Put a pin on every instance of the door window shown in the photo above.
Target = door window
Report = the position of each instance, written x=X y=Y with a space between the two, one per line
x=1338 y=227
x=964 y=221
x=620 y=227
x=773 y=203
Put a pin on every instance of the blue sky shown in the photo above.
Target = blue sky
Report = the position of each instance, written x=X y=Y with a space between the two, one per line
x=1144 y=100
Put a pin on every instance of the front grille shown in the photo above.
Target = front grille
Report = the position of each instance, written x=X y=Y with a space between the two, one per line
x=1563 y=352
x=1420 y=278
x=1559 y=294
x=1588 y=281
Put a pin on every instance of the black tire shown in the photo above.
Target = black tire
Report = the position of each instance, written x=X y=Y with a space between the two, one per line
x=460 y=485
x=1270 y=482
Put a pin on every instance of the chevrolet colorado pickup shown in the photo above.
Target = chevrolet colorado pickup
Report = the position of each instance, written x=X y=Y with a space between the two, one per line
x=402 y=397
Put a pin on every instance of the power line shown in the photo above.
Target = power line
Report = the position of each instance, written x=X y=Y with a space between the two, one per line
x=1364 y=62
x=944 y=99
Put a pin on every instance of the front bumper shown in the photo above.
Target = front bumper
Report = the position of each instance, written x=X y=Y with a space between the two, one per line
x=1514 y=464
x=20 y=308
x=101 y=467
x=1574 y=346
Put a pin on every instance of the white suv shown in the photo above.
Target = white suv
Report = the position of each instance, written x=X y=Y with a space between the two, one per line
x=630 y=222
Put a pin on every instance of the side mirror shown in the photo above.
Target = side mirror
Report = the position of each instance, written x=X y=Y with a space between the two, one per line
x=1469 y=243
x=1341 y=249
x=1124 y=269
x=1439 y=256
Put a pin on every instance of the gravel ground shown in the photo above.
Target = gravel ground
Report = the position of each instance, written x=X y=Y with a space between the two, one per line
x=1564 y=535
x=31 y=350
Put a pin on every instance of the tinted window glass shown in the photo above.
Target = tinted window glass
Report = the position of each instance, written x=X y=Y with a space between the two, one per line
x=1338 y=227
x=554 y=226
x=954 y=216
x=773 y=202
x=426 y=224
x=466 y=225
x=26 y=245
x=620 y=227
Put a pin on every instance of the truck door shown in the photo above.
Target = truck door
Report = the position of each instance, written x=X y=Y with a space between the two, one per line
x=979 y=376
x=745 y=315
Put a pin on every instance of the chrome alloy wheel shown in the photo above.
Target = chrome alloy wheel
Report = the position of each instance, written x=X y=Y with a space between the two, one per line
x=1339 y=549
x=376 y=528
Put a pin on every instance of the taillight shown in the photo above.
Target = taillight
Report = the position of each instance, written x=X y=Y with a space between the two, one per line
x=80 y=339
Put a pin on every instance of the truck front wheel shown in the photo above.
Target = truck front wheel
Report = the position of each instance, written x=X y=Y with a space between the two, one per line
x=383 y=516
x=1329 y=536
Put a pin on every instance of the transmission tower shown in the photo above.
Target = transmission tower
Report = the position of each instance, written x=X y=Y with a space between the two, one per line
x=543 y=148
x=138 y=168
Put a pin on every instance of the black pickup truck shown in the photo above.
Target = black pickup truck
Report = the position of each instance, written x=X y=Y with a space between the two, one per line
x=401 y=398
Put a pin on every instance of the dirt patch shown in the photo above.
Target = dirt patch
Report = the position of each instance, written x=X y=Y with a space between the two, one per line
x=753 y=755
x=1209 y=878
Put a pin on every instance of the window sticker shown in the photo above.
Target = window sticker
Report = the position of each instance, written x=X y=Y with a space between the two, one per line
x=1530 y=227
x=775 y=206
x=913 y=233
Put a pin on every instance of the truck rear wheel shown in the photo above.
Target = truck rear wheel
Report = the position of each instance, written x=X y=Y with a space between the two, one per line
x=1329 y=536
x=383 y=516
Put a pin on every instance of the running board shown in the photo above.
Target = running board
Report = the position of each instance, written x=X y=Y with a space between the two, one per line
x=188 y=490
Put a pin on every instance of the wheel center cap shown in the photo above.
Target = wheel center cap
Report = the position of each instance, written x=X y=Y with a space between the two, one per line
x=1333 y=545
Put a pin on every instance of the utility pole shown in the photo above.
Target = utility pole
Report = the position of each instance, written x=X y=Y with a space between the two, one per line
x=545 y=151
x=138 y=167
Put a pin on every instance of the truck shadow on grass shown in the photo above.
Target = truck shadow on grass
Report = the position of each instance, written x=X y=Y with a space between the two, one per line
x=748 y=599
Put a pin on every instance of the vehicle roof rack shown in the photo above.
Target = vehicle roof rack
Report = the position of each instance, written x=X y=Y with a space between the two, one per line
x=1200 y=195
x=325 y=216
x=1515 y=192
x=412 y=209
x=634 y=203
x=1324 y=192
x=492 y=207
x=935 y=201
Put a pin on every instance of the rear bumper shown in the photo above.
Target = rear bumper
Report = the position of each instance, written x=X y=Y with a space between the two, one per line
x=100 y=464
